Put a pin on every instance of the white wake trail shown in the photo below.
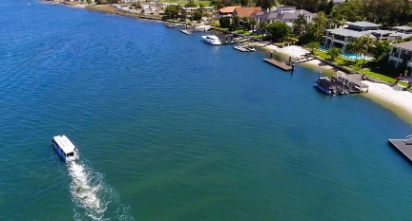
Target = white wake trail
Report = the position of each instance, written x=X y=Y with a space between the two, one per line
x=86 y=188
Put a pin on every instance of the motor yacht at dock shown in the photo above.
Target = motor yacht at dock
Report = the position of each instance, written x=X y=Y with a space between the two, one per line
x=212 y=39
x=65 y=148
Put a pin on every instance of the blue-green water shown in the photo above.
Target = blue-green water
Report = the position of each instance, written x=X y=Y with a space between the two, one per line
x=170 y=128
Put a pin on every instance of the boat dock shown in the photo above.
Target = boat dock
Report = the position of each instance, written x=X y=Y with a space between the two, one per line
x=281 y=65
x=341 y=85
x=401 y=146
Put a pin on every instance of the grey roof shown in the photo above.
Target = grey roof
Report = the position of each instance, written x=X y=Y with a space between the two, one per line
x=399 y=34
x=404 y=45
x=283 y=16
x=363 y=24
x=349 y=33
x=402 y=27
x=339 y=1
x=382 y=31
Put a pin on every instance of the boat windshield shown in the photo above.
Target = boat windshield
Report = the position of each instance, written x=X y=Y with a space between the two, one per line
x=71 y=154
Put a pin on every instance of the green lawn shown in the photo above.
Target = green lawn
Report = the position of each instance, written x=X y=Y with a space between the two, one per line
x=387 y=74
x=339 y=60
x=197 y=3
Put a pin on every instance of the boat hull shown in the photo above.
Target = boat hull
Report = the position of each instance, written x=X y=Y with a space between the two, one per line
x=208 y=42
x=322 y=89
x=59 y=151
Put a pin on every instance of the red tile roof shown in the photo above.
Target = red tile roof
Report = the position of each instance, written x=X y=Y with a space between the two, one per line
x=247 y=11
x=229 y=9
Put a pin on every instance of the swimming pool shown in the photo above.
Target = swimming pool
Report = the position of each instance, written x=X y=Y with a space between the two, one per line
x=353 y=56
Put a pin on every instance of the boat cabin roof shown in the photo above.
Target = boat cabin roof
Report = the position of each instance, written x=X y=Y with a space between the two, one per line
x=64 y=143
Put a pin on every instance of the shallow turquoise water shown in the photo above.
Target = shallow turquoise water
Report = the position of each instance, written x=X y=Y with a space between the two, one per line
x=170 y=128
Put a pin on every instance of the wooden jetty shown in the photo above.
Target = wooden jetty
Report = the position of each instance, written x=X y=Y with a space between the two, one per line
x=403 y=147
x=281 y=65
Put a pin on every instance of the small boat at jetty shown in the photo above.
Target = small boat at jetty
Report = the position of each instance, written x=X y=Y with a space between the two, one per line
x=325 y=85
x=212 y=39
x=65 y=148
x=244 y=48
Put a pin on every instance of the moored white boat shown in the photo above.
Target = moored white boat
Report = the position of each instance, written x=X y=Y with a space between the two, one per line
x=212 y=39
x=65 y=148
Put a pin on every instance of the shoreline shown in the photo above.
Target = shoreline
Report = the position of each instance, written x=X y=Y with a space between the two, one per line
x=398 y=102
x=395 y=101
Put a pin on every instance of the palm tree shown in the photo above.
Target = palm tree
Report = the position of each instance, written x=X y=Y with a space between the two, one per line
x=299 y=24
x=312 y=47
x=253 y=24
x=334 y=53
x=262 y=27
x=367 y=42
x=356 y=47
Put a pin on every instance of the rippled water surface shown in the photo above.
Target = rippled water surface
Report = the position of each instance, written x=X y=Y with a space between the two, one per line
x=170 y=128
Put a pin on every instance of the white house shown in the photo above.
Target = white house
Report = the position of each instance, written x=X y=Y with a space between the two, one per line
x=401 y=52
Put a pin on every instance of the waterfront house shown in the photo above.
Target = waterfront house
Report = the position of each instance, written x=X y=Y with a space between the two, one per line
x=188 y=11
x=403 y=29
x=401 y=52
x=383 y=35
x=286 y=14
x=341 y=37
x=226 y=11
x=246 y=12
x=362 y=26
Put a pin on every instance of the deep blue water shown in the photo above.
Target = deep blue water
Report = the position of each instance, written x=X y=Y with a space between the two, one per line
x=170 y=128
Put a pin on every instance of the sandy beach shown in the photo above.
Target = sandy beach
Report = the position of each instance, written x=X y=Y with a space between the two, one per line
x=297 y=52
x=400 y=102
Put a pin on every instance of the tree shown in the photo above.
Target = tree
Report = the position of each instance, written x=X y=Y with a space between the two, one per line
x=235 y=21
x=253 y=24
x=366 y=42
x=278 y=30
x=312 y=47
x=89 y=2
x=190 y=3
x=299 y=24
x=334 y=53
x=81 y=1
x=262 y=25
x=351 y=11
x=356 y=47
x=380 y=49
x=172 y=11
x=329 y=7
x=245 y=22
x=224 y=22
x=319 y=23
x=244 y=2
x=218 y=4
x=265 y=4
x=198 y=14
